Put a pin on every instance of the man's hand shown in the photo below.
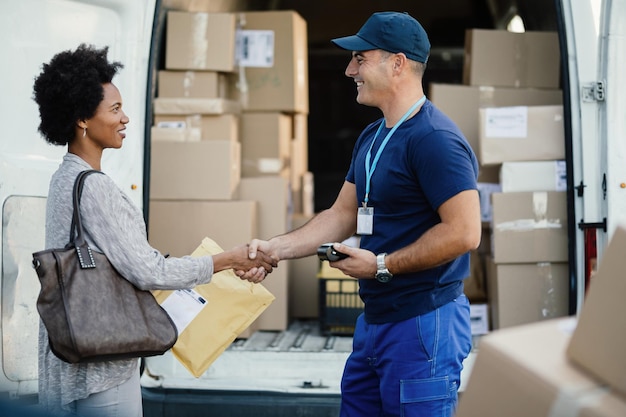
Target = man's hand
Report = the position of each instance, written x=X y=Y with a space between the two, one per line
x=360 y=263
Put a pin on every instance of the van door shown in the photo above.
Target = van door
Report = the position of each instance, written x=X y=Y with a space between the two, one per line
x=32 y=31
x=593 y=56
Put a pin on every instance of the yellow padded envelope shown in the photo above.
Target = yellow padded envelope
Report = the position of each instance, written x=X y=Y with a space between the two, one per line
x=229 y=306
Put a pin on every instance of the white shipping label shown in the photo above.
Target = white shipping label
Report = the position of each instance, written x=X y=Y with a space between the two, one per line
x=255 y=48
x=506 y=122
x=183 y=306
x=561 y=176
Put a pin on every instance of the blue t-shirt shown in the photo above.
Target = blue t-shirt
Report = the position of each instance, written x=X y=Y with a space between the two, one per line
x=426 y=162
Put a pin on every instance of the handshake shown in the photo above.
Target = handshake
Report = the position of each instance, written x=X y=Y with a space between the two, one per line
x=248 y=262
x=255 y=260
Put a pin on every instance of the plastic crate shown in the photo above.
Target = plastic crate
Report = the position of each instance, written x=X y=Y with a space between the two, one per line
x=340 y=305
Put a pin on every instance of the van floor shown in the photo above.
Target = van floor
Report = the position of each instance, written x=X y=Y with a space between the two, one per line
x=296 y=372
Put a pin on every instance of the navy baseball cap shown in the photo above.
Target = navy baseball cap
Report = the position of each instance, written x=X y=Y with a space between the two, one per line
x=392 y=32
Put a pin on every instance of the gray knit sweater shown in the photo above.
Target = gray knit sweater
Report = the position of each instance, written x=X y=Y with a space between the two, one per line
x=114 y=226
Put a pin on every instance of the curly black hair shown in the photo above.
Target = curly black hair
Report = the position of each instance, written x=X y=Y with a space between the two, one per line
x=69 y=89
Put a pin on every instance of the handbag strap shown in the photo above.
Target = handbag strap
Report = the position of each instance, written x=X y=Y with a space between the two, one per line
x=77 y=238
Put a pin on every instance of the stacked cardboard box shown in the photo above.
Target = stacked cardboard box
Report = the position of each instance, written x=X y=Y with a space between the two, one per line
x=224 y=164
x=274 y=137
x=504 y=72
x=560 y=367
x=274 y=95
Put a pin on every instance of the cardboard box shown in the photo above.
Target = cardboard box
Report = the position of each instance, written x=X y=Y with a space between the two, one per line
x=475 y=286
x=298 y=169
x=299 y=150
x=211 y=127
x=303 y=281
x=186 y=106
x=266 y=143
x=527 y=293
x=175 y=134
x=274 y=198
x=523 y=372
x=276 y=317
x=308 y=193
x=207 y=6
x=530 y=227
x=599 y=342
x=283 y=86
x=507 y=59
x=533 y=176
x=192 y=84
x=461 y=104
x=522 y=133
x=200 y=41
x=274 y=218
x=176 y=227
x=204 y=170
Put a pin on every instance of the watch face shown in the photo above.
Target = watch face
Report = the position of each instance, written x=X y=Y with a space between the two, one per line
x=383 y=277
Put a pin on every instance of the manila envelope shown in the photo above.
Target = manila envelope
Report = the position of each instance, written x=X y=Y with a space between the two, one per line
x=212 y=315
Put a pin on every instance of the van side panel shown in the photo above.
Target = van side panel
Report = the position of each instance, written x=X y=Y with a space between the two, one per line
x=32 y=31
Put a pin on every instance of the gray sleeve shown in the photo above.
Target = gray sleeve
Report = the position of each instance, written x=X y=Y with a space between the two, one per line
x=115 y=226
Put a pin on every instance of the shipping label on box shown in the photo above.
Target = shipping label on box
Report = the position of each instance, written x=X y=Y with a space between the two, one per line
x=533 y=176
x=255 y=48
x=506 y=122
x=284 y=85
x=529 y=133
x=462 y=102
x=479 y=318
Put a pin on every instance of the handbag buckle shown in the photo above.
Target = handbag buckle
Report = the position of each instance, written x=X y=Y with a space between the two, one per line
x=81 y=257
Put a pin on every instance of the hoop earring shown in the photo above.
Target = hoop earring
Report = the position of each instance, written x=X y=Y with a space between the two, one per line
x=84 y=131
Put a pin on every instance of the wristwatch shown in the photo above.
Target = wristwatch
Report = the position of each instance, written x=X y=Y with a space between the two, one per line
x=382 y=274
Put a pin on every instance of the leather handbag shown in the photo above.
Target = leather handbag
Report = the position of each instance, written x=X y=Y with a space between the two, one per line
x=90 y=311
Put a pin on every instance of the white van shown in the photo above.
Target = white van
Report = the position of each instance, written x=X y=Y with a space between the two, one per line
x=279 y=381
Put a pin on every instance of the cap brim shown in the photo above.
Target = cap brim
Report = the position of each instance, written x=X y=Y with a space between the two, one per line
x=353 y=43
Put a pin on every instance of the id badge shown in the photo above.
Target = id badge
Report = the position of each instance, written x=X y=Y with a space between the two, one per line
x=365 y=221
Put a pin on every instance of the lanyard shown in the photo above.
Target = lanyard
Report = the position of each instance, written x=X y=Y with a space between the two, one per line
x=370 y=168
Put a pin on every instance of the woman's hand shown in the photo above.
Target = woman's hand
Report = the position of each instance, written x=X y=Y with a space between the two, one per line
x=254 y=270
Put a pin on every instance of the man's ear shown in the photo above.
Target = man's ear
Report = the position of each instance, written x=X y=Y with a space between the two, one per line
x=399 y=60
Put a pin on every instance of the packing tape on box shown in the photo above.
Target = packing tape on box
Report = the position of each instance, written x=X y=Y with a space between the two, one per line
x=188 y=81
x=521 y=62
x=569 y=403
x=525 y=225
x=540 y=221
x=198 y=43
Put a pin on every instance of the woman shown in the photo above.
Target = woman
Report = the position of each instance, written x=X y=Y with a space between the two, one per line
x=80 y=107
